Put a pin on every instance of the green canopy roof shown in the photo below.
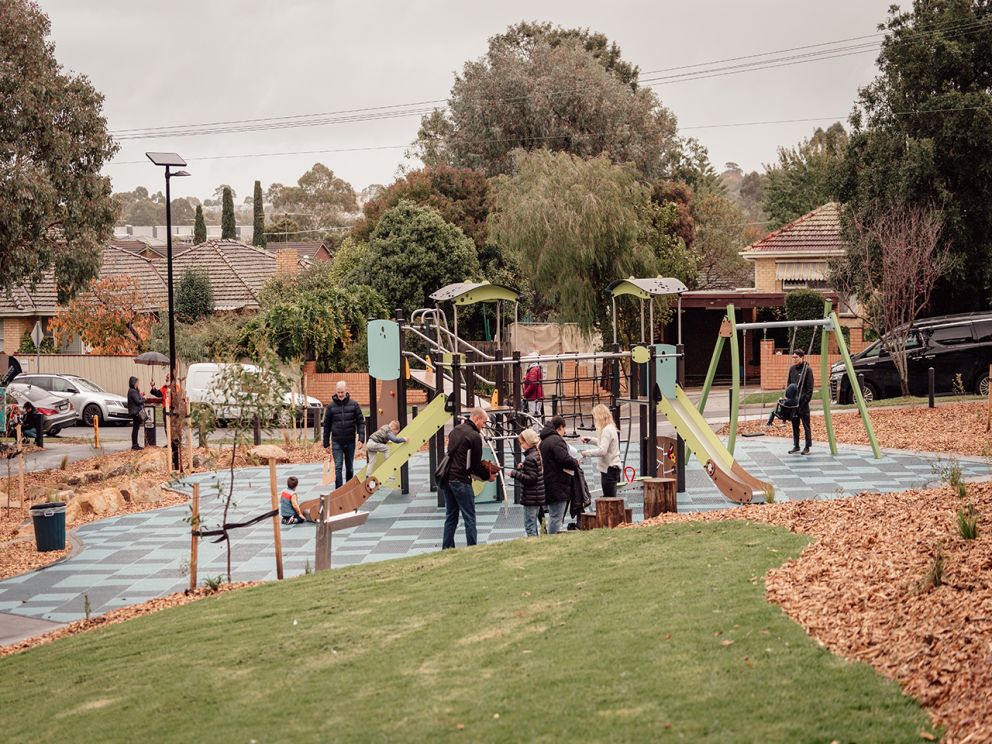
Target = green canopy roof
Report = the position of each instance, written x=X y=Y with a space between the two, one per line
x=468 y=293
x=647 y=288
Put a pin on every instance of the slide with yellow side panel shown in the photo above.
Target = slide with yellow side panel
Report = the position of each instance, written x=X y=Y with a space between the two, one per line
x=733 y=481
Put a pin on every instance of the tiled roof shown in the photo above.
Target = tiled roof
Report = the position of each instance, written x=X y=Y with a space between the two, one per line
x=816 y=233
x=141 y=246
x=305 y=249
x=237 y=271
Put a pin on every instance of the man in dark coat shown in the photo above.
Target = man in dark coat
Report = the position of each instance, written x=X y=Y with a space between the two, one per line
x=801 y=376
x=344 y=424
x=464 y=461
x=559 y=470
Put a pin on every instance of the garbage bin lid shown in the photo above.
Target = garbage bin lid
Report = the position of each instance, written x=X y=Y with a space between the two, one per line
x=55 y=507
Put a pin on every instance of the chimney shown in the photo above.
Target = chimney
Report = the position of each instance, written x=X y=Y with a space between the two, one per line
x=287 y=261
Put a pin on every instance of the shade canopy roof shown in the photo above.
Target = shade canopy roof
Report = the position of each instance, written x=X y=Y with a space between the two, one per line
x=645 y=289
x=468 y=293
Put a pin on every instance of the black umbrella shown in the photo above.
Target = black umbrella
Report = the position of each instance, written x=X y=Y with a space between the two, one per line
x=152 y=357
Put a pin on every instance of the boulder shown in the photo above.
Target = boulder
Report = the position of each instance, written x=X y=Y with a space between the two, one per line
x=104 y=502
x=119 y=470
x=92 y=476
x=150 y=466
x=65 y=496
x=36 y=493
x=270 y=452
x=147 y=493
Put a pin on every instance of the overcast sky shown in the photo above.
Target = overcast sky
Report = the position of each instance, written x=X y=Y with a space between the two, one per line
x=196 y=61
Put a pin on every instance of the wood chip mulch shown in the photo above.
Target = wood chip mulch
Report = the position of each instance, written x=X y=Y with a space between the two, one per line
x=860 y=589
x=121 y=615
x=957 y=428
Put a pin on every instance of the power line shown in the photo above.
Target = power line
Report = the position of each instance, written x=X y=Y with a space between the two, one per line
x=540 y=138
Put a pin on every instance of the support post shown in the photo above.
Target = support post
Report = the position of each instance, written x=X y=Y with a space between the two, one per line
x=322 y=557
x=615 y=385
x=500 y=379
x=436 y=358
x=194 y=540
x=735 y=384
x=680 y=449
x=96 y=432
x=189 y=434
x=652 y=413
x=273 y=490
x=828 y=421
x=20 y=473
x=859 y=398
x=168 y=436
x=711 y=373
x=930 y=381
x=401 y=414
x=515 y=418
x=373 y=403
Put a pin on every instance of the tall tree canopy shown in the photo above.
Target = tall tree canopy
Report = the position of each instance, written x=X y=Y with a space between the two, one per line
x=578 y=224
x=258 y=212
x=56 y=206
x=199 y=227
x=413 y=252
x=805 y=177
x=319 y=201
x=228 y=226
x=539 y=87
x=922 y=136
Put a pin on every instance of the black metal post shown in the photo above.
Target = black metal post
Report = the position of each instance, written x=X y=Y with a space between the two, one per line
x=177 y=438
x=679 y=441
x=373 y=403
x=652 y=413
x=499 y=377
x=930 y=386
x=438 y=442
x=256 y=430
x=615 y=387
x=517 y=427
x=861 y=384
x=401 y=403
x=469 y=382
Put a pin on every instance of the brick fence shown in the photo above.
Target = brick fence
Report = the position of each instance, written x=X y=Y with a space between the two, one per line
x=322 y=384
x=775 y=363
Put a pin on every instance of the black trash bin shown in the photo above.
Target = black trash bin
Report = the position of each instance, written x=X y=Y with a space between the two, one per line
x=49 y=526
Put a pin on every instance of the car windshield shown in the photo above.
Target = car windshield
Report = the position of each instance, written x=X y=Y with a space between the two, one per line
x=876 y=349
x=85 y=385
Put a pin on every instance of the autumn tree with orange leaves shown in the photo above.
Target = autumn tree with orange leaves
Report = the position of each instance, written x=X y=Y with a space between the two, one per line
x=110 y=316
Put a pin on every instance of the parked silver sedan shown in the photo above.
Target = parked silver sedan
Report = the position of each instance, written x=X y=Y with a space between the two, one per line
x=89 y=399
x=58 y=412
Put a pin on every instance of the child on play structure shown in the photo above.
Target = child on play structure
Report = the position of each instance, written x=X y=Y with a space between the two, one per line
x=378 y=443
x=786 y=407
x=289 y=507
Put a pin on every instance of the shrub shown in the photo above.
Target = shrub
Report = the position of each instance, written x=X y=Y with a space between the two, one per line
x=804 y=304
x=967 y=518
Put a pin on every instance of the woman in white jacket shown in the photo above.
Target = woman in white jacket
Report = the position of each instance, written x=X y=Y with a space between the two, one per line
x=607 y=450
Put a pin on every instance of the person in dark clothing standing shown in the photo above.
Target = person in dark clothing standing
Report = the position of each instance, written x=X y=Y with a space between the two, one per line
x=801 y=376
x=344 y=424
x=464 y=461
x=136 y=410
x=559 y=469
x=530 y=473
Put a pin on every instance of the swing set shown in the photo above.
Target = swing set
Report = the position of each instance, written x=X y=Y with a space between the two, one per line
x=829 y=324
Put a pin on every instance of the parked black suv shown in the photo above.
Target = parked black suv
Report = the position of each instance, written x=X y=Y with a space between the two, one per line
x=958 y=347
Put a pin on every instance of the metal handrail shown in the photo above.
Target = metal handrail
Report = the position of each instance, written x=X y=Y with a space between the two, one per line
x=427 y=364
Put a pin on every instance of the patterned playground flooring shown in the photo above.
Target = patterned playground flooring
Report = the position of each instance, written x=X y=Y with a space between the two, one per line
x=130 y=559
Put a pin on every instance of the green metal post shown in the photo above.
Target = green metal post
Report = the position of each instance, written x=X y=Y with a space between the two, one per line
x=825 y=380
x=711 y=373
x=855 y=386
x=735 y=377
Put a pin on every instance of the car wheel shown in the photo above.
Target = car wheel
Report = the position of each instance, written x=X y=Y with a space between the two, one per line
x=870 y=392
x=53 y=432
x=982 y=388
x=90 y=412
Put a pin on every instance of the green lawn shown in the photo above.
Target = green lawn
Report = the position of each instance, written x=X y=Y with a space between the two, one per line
x=624 y=635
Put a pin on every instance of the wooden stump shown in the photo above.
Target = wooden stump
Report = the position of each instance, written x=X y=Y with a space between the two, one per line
x=610 y=511
x=660 y=496
x=588 y=521
x=628 y=515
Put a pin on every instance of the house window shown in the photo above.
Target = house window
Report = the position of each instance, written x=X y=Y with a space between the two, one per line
x=789 y=284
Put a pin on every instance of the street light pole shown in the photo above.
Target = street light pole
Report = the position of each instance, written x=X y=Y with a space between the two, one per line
x=170 y=159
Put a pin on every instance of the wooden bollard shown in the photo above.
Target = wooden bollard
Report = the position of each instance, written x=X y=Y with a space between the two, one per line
x=588 y=521
x=275 y=519
x=96 y=432
x=194 y=540
x=660 y=496
x=628 y=515
x=610 y=511
x=189 y=435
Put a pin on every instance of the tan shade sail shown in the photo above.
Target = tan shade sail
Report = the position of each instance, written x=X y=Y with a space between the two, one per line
x=802 y=270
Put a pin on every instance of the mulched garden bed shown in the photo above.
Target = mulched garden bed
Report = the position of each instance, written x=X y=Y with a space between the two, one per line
x=957 y=428
x=861 y=588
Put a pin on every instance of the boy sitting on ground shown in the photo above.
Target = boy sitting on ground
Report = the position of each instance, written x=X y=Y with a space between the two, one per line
x=379 y=441
x=786 y=407
x=289 y=506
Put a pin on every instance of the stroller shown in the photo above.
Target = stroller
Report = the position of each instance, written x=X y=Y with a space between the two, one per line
x=787 y=407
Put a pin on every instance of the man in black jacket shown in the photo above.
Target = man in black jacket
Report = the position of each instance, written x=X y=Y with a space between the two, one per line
x=559 y=468
x=344 y=424
x=464 y=461
x=801 y=376
x=136 y=410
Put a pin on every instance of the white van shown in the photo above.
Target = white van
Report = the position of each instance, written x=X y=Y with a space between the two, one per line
x=200 y=388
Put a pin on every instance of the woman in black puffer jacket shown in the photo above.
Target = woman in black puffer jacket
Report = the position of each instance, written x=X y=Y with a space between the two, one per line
x=530 y=473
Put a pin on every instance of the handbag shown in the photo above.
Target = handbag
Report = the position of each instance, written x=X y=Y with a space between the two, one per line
x=441 y=472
